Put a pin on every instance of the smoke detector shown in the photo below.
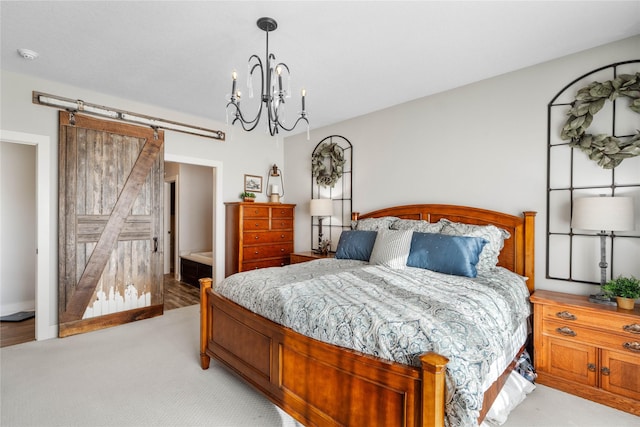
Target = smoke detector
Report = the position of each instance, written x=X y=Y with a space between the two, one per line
x=28 y=54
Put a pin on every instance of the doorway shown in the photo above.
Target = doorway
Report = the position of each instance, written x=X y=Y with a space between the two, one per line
x=45 y=306
x=18 y=243
x=189 y=219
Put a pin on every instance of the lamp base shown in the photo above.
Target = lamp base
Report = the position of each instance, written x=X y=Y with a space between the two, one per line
x=602 y=299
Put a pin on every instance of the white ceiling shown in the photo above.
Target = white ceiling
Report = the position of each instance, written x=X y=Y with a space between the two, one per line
x=353 y=57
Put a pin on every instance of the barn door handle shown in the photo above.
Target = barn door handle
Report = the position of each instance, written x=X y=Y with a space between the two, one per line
x=155 y=244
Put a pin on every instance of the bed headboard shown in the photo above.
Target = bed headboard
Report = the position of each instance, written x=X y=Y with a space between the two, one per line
x=518 y=252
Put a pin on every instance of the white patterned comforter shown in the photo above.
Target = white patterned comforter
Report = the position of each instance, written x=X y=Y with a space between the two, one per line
x=397 y=315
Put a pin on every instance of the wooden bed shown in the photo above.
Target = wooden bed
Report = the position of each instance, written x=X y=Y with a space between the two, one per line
x=324 y=385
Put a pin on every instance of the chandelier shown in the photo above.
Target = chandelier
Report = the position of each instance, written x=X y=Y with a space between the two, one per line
x=272 y=92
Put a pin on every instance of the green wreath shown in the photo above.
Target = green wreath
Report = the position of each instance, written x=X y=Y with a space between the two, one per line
x=327 y=174
x=608 y=151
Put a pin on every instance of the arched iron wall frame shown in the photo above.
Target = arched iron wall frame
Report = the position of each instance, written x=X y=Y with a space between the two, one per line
x=610 y=187
x=340 y=193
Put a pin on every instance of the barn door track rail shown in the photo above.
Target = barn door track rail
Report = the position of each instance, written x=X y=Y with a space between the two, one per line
x=77 y=105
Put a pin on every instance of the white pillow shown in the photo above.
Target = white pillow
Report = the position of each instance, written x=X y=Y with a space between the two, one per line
x=373 y=224
x=391 y=248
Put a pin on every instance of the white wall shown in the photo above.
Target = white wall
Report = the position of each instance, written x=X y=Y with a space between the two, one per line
x=17 y=227
x=195 y=208
x=482 y=145
x=231 y=158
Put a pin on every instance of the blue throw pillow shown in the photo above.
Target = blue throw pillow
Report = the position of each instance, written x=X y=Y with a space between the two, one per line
x=356 y=244
x=457 y=255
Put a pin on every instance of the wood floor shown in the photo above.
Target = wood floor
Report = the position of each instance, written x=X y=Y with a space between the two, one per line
x=176 y=294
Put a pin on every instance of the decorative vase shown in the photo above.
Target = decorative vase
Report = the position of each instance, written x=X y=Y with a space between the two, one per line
x=626 y=303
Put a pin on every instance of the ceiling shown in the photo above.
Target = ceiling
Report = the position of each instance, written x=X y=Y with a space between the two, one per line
x=352 y=57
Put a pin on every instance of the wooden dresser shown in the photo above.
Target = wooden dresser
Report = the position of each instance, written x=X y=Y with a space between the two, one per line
x=258 y=235
x=587 y=349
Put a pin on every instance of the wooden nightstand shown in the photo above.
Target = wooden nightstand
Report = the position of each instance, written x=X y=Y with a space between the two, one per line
x=587 y=349
x=307 y=256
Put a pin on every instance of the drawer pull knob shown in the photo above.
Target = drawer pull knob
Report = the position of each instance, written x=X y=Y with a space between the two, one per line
x=282 y=236
x=591 y=367
x=566 y=331
x=633 y=329
x=256 y=252
x=565 y=315
x=257 y=237
x=632 y=346
x=605 y=371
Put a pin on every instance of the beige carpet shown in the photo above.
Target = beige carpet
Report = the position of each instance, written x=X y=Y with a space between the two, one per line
x=147 y=373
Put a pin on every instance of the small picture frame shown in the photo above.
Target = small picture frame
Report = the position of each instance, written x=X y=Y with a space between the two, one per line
x=253 y=183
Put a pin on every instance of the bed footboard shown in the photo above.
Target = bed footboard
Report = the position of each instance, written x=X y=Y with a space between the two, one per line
x=317 y=383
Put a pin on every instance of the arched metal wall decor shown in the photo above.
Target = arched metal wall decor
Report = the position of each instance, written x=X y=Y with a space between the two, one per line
x=332 y=178
x=574 y=255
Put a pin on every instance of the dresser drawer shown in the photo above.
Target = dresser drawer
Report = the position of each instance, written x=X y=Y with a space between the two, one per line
x=281 y=224
x=256 y=212
x=272 y=262
x=267 y=251
x=281 y=212
x=256 y=224
x=591 y=318
x=601 y=338
x=257 y=237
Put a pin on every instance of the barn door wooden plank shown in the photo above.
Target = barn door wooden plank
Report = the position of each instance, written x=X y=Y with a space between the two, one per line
x=110 y=217
x=109 y=236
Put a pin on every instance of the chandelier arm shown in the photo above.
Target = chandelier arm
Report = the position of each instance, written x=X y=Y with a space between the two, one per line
x=303 y=118
x=239 y=117
x=249 y=125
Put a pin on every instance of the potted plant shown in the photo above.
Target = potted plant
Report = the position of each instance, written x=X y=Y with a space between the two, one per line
x=248 y=196
x=625 y=289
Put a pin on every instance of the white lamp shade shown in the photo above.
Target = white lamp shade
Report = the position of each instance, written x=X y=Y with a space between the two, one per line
x=603 y=213
x=321 y=207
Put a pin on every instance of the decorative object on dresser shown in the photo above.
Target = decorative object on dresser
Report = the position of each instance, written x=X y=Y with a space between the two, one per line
x=321 y=208
x=257 y=235
x=603 y=214
x=298 y=257
x=590 y=350
x=253 y=183
x=247 y=196
x=626 y=290
x=272 y=92
x=274 y=191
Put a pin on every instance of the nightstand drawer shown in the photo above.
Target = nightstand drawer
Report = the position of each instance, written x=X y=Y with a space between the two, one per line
x=592 y=318
x=601 y=338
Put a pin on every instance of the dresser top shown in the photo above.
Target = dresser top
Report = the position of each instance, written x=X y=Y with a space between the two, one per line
x=260 y=204
x=559 y=298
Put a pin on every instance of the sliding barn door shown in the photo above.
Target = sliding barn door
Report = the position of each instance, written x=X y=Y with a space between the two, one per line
x=110 y=223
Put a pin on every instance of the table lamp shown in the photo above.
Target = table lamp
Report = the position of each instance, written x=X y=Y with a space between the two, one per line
x=603 y=214
x=321 y=208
